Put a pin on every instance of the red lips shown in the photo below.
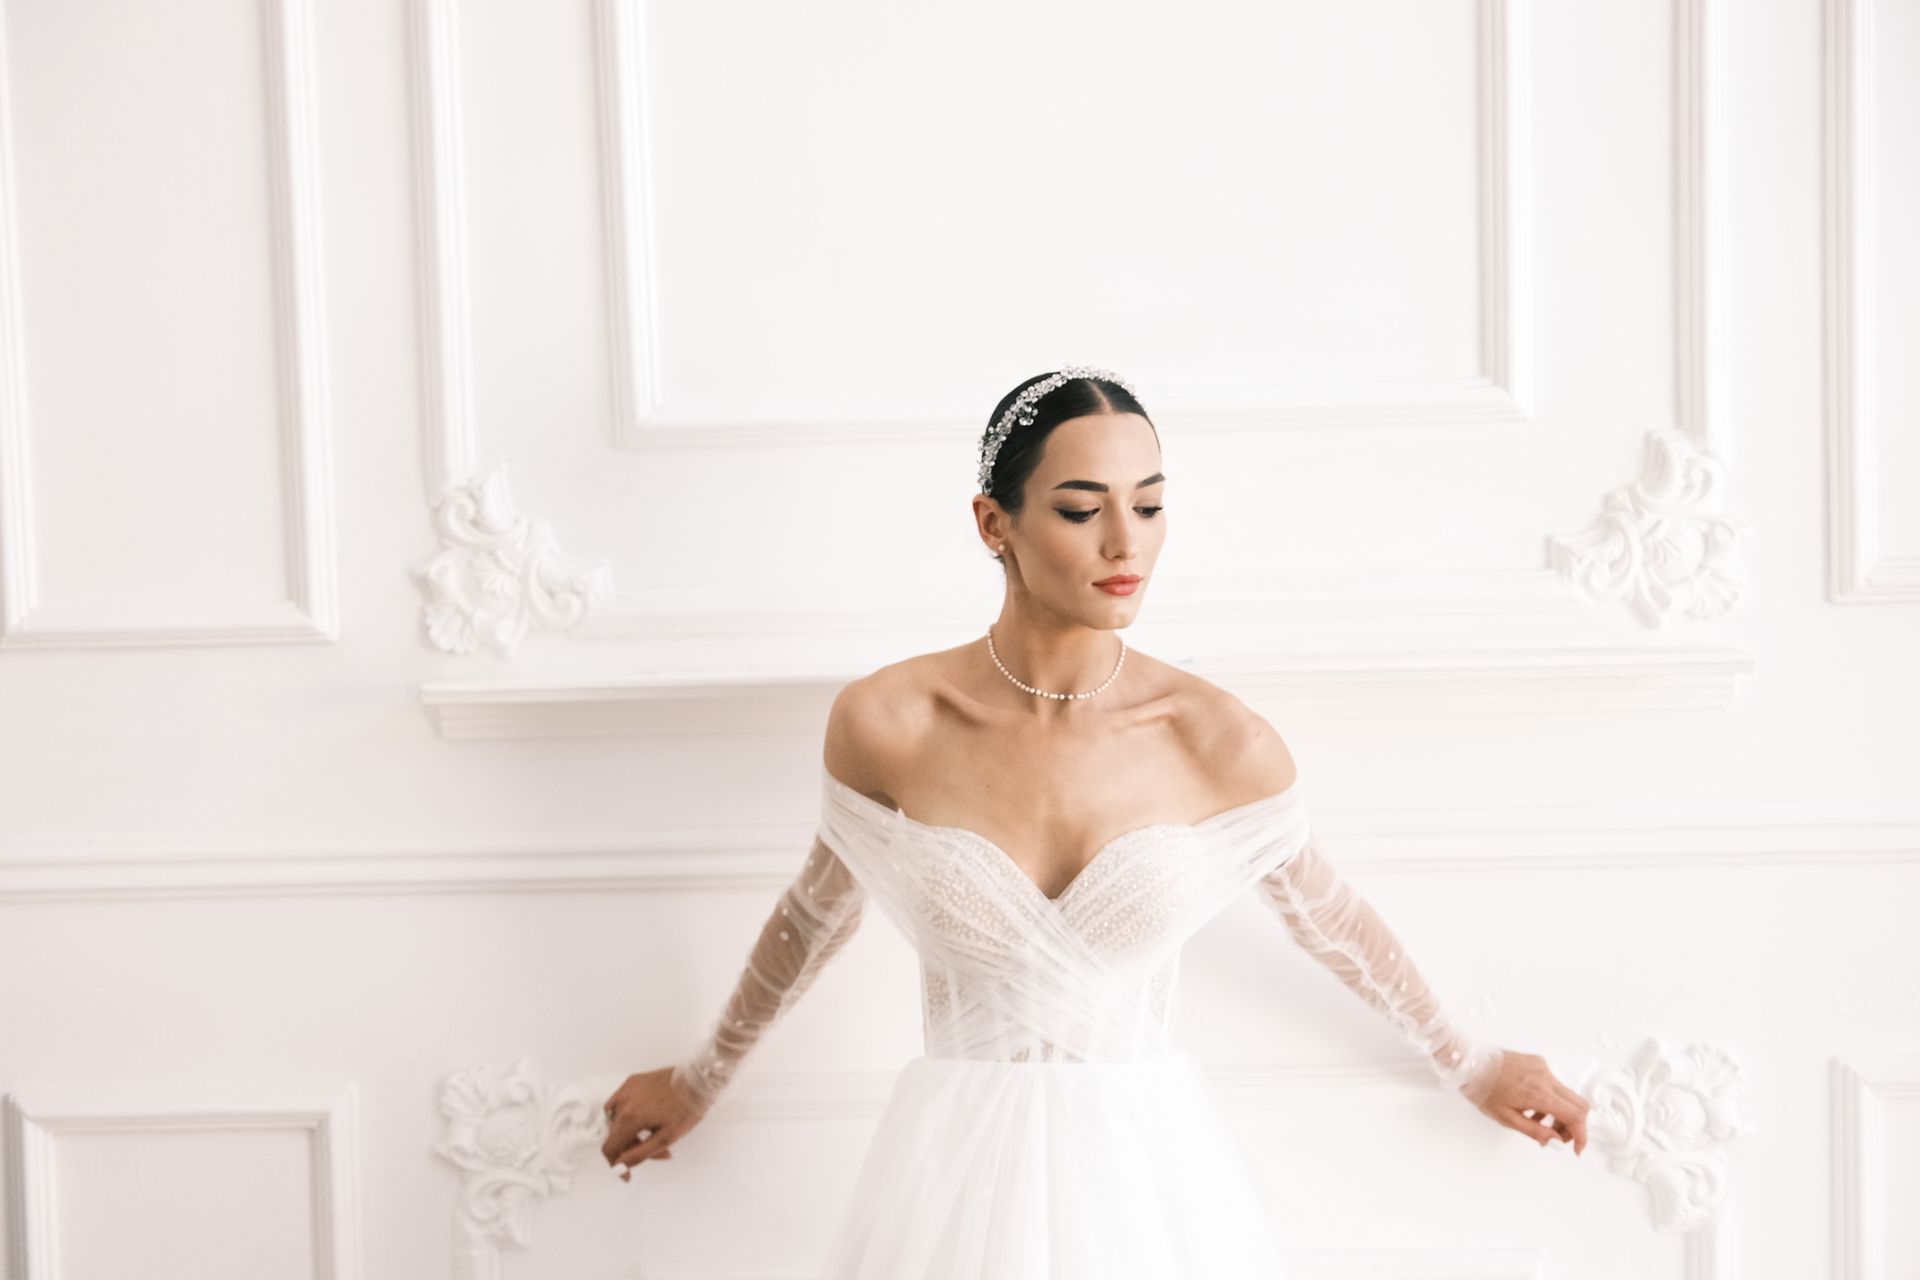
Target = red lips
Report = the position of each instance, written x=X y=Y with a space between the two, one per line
x=1118 y=577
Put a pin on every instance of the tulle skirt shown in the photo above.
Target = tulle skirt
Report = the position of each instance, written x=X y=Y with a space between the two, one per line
x=987 y=1170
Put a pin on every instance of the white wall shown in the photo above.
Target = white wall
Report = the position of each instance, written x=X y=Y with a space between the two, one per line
x=1537 y=389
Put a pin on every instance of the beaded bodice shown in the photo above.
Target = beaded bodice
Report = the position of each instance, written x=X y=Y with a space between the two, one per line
x=1089 y=975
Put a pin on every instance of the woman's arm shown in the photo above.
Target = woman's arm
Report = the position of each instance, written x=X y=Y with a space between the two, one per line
x=812 y=920
x=1343 y=931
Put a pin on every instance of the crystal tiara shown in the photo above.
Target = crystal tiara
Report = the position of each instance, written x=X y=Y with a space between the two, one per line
x=1021 y=411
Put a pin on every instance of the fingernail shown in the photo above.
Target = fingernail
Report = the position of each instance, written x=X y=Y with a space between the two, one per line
x=619 y=1170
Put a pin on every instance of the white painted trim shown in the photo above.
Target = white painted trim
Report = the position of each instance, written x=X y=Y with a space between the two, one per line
x=327 y=1110
x=1862 y=1086
x=499 y=574
x=1499 y=393
x=1661 y=545
x=1859 y=570
x=311 y=611
x=1496 y=840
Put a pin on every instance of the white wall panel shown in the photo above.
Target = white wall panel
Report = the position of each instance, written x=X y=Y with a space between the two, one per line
x=602 y=379
x=218 y=1179
x=169 y=456
x=1872 y=263
x=1895 y=138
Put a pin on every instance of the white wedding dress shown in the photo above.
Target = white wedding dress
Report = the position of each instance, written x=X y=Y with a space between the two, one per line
x=1051 y=1128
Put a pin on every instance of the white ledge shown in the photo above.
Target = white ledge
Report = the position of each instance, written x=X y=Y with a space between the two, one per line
x=1400 y=683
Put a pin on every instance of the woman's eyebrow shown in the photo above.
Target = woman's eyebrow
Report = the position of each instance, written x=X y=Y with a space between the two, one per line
x=1097 y=487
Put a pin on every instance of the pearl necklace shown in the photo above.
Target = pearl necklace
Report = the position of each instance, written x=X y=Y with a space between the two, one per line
x=1042 y=692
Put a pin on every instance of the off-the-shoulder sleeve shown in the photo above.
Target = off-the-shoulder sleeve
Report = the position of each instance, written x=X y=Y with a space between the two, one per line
x=815 y=915
x=1342 y=930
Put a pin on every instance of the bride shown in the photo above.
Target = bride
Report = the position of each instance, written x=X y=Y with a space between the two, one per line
x=1048 y=816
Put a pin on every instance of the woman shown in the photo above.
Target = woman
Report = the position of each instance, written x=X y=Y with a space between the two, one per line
x=1062 y=847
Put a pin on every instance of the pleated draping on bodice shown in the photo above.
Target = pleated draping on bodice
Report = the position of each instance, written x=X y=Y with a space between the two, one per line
x=1088 y=976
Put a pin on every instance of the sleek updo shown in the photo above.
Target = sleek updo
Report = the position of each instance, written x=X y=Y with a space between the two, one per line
x=1021 y=451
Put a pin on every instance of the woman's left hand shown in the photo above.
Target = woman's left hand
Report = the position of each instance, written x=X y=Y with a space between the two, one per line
x=1525 y=1093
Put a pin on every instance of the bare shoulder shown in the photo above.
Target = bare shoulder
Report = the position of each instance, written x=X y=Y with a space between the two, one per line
x=869 y=717
x=1236 y=746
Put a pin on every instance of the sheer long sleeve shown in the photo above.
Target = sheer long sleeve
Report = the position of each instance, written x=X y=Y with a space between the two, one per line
x=812 y=920
x=1343 y=931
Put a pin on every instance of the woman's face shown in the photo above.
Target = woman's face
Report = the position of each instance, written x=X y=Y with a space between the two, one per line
x=1093 y=510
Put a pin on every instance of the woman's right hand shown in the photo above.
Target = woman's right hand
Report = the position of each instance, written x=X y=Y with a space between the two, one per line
x=645 y=1116
x=1526 y=1092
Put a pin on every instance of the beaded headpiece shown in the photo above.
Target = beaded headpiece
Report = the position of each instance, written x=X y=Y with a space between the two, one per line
x=1021 y=411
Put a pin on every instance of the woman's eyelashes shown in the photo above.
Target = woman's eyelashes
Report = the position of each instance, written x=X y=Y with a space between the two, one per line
x=1081 y=517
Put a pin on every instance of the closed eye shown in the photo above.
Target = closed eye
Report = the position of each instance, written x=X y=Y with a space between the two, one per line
x=1081 y=517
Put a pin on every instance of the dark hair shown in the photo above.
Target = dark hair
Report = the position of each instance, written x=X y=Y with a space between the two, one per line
x=1020 y=452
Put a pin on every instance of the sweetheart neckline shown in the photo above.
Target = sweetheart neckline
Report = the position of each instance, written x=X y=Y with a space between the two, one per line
x=1055 y=899
x=1007 y=858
